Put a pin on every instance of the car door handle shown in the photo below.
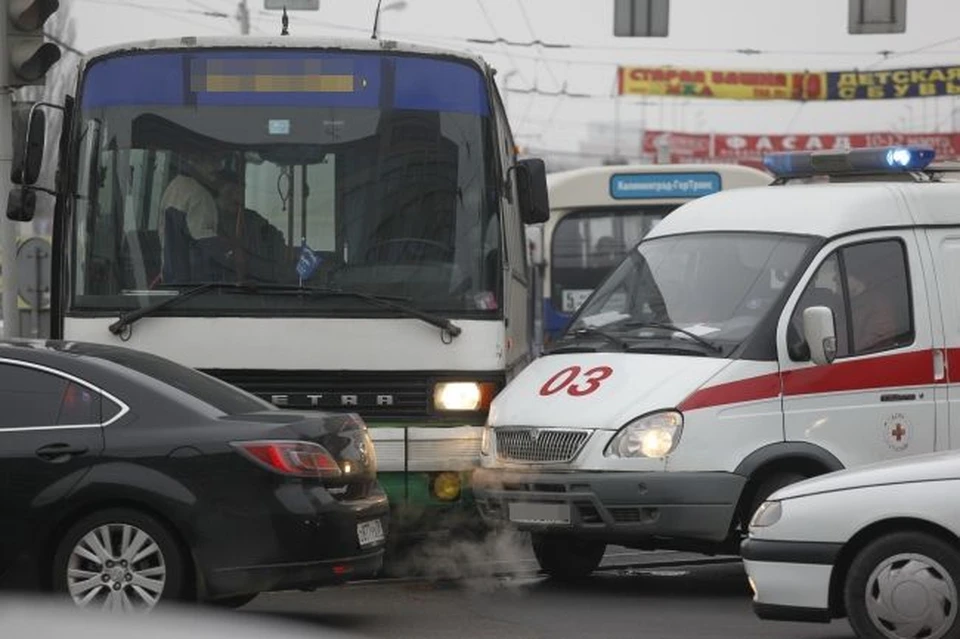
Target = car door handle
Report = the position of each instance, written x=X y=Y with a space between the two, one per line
x=60 y=452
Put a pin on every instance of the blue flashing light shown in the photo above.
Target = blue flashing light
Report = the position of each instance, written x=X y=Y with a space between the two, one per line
x=892 y=159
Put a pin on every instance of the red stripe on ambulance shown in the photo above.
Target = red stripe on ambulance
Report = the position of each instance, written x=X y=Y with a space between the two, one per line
x=903 y=369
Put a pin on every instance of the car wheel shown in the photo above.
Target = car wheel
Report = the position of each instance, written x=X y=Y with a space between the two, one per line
x=904 y=586
x=118 y=560
x=567 y=558
x=237 y=601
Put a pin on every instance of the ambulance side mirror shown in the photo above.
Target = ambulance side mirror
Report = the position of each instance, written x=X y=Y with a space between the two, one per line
x=820 y=333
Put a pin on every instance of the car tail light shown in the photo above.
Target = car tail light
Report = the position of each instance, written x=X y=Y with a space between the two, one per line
x=298 y=459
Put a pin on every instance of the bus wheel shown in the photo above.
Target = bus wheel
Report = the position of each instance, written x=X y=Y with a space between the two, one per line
x=567 y=558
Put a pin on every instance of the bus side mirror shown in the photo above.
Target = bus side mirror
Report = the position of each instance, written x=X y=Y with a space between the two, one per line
x=532 y=190
x=21 y=204
x=28 y=155
x=821 y=336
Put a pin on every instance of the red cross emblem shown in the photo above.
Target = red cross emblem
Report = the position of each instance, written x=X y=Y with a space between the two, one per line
x=899 y=431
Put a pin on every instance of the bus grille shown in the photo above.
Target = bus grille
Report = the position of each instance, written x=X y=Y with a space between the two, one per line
x=539 y=445
x=373 y=395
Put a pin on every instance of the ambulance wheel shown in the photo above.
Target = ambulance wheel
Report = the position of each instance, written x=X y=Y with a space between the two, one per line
x=567 y=558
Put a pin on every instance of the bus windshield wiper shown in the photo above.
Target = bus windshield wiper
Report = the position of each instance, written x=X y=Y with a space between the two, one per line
x=384 y=301
x=128 y=318
x=676 y=329
x=392 y=303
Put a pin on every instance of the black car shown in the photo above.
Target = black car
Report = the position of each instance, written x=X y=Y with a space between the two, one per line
x=127 y=479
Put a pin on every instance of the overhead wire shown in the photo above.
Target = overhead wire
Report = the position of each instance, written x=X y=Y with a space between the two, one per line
x=741 y=51
x=529 y=25
x=507 y=52
x=889 y=55
x=208 y=10
x=175 y=14
x=60 y=43
x=548 y=66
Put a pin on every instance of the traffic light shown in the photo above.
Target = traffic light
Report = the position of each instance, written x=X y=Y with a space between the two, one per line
x=28 y=56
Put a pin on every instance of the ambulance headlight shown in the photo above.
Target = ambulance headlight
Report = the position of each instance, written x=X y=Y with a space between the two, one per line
x=653 y=436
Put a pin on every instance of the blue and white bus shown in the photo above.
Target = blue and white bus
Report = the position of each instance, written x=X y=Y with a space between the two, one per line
x=329 y=224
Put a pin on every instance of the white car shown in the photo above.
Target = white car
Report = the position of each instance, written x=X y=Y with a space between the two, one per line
x=877 y=544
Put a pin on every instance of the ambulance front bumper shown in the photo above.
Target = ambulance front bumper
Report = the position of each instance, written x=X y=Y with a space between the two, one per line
x=628 y=508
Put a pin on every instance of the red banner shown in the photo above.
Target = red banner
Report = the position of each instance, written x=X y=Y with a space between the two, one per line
x=700 y=147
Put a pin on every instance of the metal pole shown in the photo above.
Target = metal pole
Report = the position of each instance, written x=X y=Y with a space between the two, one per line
x=37 y=291
x=8 y=228
x=243 y=16
x=616 y=126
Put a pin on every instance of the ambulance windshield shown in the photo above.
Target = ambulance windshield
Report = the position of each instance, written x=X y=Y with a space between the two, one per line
x=717 y=286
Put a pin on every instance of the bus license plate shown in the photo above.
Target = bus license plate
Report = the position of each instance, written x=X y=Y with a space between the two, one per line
x=527 y=513
x=370 y=533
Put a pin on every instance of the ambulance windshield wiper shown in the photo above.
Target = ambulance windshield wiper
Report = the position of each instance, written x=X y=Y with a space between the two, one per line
x=390 y=302
x=676 y=329
x=587 y=331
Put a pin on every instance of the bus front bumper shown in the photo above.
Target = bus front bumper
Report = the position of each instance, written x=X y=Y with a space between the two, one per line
x=426 y=472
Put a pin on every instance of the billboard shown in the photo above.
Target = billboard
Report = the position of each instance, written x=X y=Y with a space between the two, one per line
x=750 y=148
x=883 y=84
x=728 y=85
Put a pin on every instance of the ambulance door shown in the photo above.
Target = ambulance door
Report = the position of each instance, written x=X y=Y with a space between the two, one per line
x=876 y=400
x=944 y=244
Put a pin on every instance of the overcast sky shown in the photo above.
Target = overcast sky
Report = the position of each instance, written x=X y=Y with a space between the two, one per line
x=791 y=34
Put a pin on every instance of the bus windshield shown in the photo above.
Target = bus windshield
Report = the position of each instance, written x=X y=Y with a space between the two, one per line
x=353 y=171
x=588 y=243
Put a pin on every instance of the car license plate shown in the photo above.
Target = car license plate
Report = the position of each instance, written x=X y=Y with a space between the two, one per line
x=529 y=513
x=370 y=532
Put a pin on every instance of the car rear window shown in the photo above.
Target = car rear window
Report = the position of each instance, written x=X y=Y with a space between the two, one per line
x=209 y=390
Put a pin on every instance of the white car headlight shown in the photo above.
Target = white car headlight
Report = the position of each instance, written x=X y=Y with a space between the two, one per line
x=767 y=514
x=654 y=436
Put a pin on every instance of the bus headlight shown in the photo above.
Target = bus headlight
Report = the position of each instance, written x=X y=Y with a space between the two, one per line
x=653 y=436
x=463 y=396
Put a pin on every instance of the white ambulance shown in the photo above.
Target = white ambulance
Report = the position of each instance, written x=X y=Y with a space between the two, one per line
x=755 y=337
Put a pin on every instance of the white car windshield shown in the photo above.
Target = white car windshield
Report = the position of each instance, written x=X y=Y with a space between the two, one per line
x=714 y=286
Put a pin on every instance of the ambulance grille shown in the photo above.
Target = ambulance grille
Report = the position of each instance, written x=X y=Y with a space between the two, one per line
x=539 y=445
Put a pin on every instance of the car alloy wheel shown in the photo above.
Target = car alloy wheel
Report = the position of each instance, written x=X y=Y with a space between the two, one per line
x=910 y=595
x=117 y=567
x=119 y=560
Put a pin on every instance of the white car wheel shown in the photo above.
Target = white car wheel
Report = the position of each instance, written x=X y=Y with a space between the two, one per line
x=904 y=586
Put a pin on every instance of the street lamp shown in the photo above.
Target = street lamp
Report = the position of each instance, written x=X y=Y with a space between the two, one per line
x=399 y=5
